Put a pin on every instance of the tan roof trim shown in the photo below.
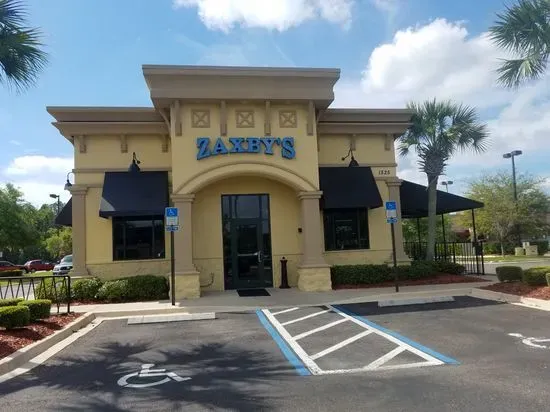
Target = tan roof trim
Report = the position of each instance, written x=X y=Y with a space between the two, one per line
x=104 y=114
x=395 y=129
x=214 y=83
x=339 y=115
x=69 y=129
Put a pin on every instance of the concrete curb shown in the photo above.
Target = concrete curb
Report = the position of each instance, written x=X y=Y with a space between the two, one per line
x=505 y=297
x=417 y=301
x=171 y=317
x=23 y=355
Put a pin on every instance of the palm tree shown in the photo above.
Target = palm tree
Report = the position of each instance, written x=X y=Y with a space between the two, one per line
x=524 y=30
x=21 y=58
x=438 y=131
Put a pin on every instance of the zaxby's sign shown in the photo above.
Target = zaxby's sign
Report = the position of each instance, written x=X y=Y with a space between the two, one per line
x=267 y=145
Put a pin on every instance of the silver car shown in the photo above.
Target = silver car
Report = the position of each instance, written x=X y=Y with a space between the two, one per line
x=64 y=267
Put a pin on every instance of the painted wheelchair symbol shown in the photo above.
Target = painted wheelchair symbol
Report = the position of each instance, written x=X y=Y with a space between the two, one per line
x=147 y=372
x=534 y=342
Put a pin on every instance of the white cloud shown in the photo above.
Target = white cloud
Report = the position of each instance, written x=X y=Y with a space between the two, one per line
x=442 y=60
x=38 y=176
x=15 y=142
x=278 y=15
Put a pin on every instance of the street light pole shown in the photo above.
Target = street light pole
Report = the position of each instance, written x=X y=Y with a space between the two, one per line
x=53 y=196
x=512 y=155
x=447 y=183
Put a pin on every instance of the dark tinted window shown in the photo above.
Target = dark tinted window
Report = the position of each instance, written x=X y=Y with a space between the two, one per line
x=138 y=238
x=346 y=229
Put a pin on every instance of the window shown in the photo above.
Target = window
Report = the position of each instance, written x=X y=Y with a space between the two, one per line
x=138 y=238
x=346 y=229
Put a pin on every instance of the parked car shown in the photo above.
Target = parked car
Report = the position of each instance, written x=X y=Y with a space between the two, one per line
x=37 y=265
x=64 y=267
x=5 y=265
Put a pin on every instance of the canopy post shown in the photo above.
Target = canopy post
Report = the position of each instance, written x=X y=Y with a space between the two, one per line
x=444 y=239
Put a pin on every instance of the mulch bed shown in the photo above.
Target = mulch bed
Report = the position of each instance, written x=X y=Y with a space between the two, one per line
x=441 y=279
x=15 y=339
x=520 y=289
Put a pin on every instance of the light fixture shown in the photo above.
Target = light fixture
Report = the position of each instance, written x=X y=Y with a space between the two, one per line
x=68 y=184
x=353 y=162
x=134 y=166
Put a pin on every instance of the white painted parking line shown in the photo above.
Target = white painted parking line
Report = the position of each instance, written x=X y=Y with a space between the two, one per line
x=369 y=328
x=305 y=317
x=284 y=311
x=320 y=328
x=340 y=345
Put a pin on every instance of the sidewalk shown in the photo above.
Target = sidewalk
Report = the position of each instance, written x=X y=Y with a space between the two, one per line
x=230 y=301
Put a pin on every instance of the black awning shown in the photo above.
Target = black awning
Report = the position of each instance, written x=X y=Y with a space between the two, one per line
x=348 y=188
x=414 y=201
x=134 y=194
x=65 y=216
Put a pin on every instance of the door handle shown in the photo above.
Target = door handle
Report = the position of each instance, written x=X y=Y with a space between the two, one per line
x=259 y=256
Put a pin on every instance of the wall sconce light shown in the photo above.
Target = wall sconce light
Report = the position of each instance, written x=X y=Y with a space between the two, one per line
x=134 y=166
x=353 y=162
x=68 y=184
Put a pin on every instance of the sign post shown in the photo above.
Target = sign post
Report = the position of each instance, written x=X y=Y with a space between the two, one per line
x=171 y=217
x=391 y=218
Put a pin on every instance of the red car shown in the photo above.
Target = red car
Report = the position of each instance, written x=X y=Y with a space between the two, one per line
x=5 y=266
x=37 y=265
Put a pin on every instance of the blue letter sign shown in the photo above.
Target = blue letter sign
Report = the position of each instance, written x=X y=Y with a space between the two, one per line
x=264 y=145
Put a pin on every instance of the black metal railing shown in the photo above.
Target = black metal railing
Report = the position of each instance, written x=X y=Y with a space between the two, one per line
x=468 y=254
x=56 y=288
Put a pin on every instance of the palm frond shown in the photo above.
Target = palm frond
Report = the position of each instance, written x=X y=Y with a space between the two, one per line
x=21 y=56
x=512 y=73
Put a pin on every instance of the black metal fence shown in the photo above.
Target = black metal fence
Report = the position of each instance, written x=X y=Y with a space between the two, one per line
x=468 y=254
x=55 y=288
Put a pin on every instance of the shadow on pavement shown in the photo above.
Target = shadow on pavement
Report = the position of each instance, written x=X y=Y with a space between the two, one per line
x=222 y=378
x=460 y=302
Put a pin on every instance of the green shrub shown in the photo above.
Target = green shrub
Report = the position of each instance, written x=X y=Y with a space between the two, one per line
x=542 y=246
x=39 y=309
x=509 y=273
x=11 y=273
x=113 y=291
x=535 y=276
x=10 y=302
x=134 y=289
x=418 y=270
x=52 y=289
x=360 y=274
x=449 y=268
x=86 y=289
x=14 y=316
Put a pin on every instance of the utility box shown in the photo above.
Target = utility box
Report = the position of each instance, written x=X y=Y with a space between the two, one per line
x=532 y=250
x=519 y=251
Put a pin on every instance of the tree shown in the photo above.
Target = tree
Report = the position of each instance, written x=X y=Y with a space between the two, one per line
x=21 y=57
x=500 y=215
x=59 y=243
x=438 y=131
x=524 y=30
x=15 y=232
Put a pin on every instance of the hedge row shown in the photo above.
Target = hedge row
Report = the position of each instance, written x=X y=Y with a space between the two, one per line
x=11 y=273
x=372 y=274
x=537 y=276
x=129 y=289
x=17 y=313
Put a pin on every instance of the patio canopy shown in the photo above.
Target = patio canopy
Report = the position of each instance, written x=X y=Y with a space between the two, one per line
x=414 y=201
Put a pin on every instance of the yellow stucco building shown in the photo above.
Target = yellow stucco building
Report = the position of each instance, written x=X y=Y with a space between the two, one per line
x=259 y=167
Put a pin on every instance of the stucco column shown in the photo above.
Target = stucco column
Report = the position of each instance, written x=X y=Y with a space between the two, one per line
x=79 y=230
x=187 y=276
x=393 y=188
x=313 y=272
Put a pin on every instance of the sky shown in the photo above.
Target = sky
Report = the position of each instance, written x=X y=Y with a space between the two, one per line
x=389 y=52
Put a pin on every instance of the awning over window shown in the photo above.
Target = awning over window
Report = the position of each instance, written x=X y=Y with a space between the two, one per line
x=134 y=194
x=414 y=201
x=348 y=187
x=65 y=217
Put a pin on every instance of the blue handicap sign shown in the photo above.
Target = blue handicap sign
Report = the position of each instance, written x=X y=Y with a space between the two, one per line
x=391 y=205
x=171 y=212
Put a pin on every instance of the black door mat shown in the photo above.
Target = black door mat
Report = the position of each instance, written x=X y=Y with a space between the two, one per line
x=252 y=292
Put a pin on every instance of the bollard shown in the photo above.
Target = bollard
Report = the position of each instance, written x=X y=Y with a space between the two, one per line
x=284 y=274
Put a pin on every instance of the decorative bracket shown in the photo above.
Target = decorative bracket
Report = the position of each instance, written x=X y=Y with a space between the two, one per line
x=388 y=141
x=165 y=142
x=310 y=118
x=123 y=144
x=177 y=118
x=81 y=143
x=223 y=118
x=267 y=122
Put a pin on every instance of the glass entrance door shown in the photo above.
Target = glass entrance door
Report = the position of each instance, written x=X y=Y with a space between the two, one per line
x=247 y=241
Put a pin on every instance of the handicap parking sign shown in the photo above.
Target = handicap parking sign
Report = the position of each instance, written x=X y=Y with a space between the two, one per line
x=171 y=217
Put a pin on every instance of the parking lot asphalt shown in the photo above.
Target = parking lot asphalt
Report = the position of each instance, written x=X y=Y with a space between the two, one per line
x=246 y=362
